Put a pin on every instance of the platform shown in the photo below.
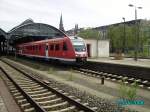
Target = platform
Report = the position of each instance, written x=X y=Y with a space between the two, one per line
x=125 y=61
x=2 y=105
x=7 y=103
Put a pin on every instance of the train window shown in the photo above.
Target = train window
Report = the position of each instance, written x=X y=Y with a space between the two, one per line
x=30 y=47
x=33 y=48
x=52 y=47
x=65 y=46
x=39 y=47
x=57 y=47
x=36 y=47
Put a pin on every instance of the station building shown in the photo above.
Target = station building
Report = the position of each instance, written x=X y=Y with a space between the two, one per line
x=2 y=42
x=97 y=48
x=27 y=31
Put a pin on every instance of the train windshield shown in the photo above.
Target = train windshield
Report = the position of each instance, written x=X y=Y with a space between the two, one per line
x=79 y=46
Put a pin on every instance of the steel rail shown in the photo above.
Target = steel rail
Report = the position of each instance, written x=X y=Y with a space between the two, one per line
x=36 y=106
x=70 y=100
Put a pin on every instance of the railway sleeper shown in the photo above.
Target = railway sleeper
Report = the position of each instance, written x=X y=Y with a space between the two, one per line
x=29 y=110
x=33 y=89
x=22 y=101
x=51 y=97
x=37 y=92
x=58 y=106
x=14 y=91
x=64 y=93
x=25 y=79
x=86 y=104
x=68 y=109
x=16 y=94
x=94 y=108
x=119 y=76
x=25 y=82
x=71 y=96
x=108 y=78
x=41 y=95
x=131 y=79
x=28 y=84
x=50 y=102
x=31 y=86
x=8 y=82
x=19 y=97
x=32 y=92
x=146 y=81
x=25 y=106
x=12 y=87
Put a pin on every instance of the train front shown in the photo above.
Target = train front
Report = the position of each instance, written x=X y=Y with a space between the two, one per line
x=80 y=48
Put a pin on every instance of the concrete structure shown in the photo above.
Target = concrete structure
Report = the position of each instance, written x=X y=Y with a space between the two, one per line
x=2 y=41
x=29 y=31
x=97 y=48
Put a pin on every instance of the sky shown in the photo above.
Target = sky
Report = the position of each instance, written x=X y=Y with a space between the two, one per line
x=85 y=13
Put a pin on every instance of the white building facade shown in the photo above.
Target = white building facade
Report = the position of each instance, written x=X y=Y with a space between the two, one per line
x=97 y=48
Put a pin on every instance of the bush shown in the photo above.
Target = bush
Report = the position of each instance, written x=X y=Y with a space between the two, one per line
x=128 y=92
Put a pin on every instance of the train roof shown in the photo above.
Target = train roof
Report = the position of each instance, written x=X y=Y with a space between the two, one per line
x=75 y=38
x=41 y=41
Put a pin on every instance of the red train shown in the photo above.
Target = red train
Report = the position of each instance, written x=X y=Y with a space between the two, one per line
x=67 y=49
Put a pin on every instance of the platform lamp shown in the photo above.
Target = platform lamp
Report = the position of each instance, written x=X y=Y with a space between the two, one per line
x=136 y=32
x=124 y=36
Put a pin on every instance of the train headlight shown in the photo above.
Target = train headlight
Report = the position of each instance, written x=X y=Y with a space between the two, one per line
x=77 y=55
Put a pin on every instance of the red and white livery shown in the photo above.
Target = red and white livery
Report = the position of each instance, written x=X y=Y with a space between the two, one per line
x=70 y=49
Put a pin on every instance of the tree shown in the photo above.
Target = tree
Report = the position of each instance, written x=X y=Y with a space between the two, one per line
x=89 y=34
x=116 y=35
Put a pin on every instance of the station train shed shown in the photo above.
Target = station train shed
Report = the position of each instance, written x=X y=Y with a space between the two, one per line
x=2 y=41
x=26 y=32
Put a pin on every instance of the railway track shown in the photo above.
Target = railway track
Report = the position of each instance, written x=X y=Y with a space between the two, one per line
x=33 y=95
x=89 y=71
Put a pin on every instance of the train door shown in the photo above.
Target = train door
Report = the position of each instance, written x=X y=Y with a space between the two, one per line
x=46 y=50
x=89 y=50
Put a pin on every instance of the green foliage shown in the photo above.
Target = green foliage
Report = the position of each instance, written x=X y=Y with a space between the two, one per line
x=131 y=93
x=51 y=70
x=122 y=90
x=89 y=34
x=128 y=92
x=70 y=78
x=116 y=36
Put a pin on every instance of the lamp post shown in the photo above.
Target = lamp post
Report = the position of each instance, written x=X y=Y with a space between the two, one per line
x=124 y=38
x=136 y=32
